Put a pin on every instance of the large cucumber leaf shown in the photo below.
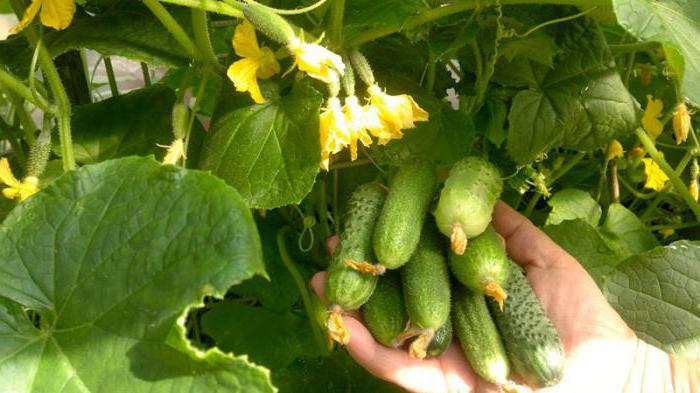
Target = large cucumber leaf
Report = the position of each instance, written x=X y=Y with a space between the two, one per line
x=571 y=204
x=657 y=294
x=269 y=152
x=580 y=103
x=111 y=257
x=675 y=24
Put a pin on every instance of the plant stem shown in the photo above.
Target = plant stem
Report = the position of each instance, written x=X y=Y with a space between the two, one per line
x=193 y=116
x=455 y=8
x=554 y=177
x=110 y=77
x=350 y=164
x=173 y=27
x=146 y=74
x=201 y=36
x=301 y=286
x=214 y=6
x=680 y=225
x=335 y=22
x=633 y=47
x=668 y=170
x=10 y=82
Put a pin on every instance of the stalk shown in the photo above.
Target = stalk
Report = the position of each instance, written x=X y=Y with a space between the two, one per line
x=201 y=36
x=668 y=170
x=110 y=77
x=216 y=7
x=173 y=27
x=335 y=23
x=15 y=85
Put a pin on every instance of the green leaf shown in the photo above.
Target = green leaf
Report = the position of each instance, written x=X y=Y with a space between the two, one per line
x=271 y=338
x=111 y=257
x=269 y=152
x=135 y=35
x=586 y=244
x=656 y=293
x=580 y=104
x=626 y=231
x=131 y=124
x=571 y=204
x=284 y=343
x=361 y=14
x=675 y=24
x=278 y=292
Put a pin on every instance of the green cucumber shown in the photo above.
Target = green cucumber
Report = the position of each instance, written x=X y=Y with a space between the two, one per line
x=347 y=288
x=466 y=202
x=442 y=340
x=426 y=289
x=483 y=267
x=384 y=312
x=478 y=336
x=530 y=338
x=398 y=229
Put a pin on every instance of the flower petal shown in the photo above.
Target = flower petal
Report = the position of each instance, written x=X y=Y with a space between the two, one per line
x=57 y=13
x=650 y=122
x=243 y=73
x=6 y=175
x=268 y=63
x=655 y=178
x=29 y=15
x=245 y=43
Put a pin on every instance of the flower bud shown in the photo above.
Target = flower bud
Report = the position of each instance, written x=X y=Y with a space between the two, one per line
x=681 y=123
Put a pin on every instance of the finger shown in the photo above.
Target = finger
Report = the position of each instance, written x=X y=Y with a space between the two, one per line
x=526 y=243
x=394 y=365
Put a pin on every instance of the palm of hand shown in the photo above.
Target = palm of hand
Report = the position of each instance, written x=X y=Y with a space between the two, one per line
x=599 y=346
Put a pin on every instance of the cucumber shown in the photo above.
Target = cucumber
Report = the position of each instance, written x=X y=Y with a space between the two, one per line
x=442 y=340
x=426 y=289
x=483 y=267
x=399 y=226
x=532 y=342
x=347 y=288
x=467 y=200
x=384 y=313
x=478 y=336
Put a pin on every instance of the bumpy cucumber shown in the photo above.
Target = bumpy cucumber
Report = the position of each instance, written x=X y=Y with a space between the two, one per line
x=347 y=288
x=398 y=229
x=426 y=289
x=483 y=267
x=532 y=342
x=384 y=312
x=442 y=339
x=478 y=336
x=467 y=200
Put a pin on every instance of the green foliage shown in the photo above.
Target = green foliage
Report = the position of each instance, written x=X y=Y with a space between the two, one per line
x=116 y=127
x=268 y=152
x=151 y=246
x=676 y=25
x=656 y=293
x=581 y=103
x=572 y=204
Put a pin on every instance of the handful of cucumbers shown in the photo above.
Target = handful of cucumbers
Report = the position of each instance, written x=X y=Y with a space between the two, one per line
x=394 y=264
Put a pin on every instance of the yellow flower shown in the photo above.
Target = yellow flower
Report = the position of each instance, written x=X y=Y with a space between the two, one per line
x=681 y=123
x=694 y=189
x=378 y=128
x=256 y=63
x=650 y=121
x=356 y=117
x=334 y=131
x=54 y=13
x=317 y=61
x=396 y=112
x=15 y=188
x=655 y=178
x=667 y=232
x=615 y=150
x=175 y=152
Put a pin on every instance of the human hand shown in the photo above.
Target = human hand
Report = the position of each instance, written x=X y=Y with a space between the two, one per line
x=603 y=354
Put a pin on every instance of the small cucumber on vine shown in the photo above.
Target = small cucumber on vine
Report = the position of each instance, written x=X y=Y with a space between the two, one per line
x=484 y=266
x=347 y=288
x=426 y=288
x=531 y=340
x=441 y=340
x=478 y=336
x=399 y=226
x=384 y=312
x=466 y=202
